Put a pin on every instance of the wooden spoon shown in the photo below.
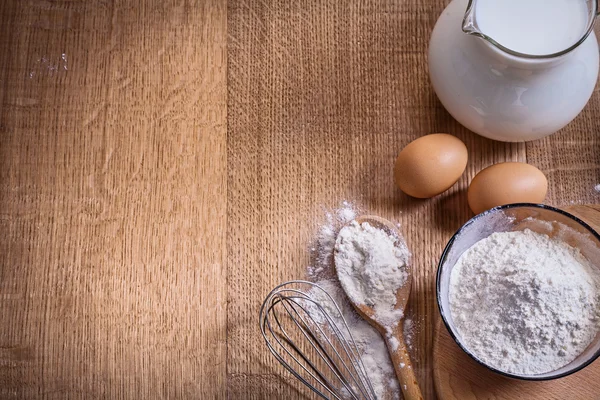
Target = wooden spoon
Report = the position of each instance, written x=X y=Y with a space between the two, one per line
x=398 y=351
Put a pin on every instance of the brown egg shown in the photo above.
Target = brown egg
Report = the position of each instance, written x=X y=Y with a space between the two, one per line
x=507 y=183
x=431 y=164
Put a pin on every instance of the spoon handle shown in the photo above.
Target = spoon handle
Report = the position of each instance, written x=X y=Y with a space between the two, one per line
x=403 y=366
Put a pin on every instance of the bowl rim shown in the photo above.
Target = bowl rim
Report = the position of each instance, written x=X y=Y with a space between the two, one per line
x=438 y=289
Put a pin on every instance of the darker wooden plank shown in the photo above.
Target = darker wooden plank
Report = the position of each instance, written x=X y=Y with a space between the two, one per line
x=322 y=97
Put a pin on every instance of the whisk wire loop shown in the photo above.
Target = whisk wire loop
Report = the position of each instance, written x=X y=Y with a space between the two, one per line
x=305 y=330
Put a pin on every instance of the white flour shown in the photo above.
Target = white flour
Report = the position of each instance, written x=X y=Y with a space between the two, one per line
x=525 y=303
x=409 y=332
x=322 y=249
x=371 y=345
x=374 y=353
x=371 y=266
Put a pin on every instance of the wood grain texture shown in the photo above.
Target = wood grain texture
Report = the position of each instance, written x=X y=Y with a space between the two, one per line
x=113 y=191
x=322 y=97
x=121 y=192
x=458 y=377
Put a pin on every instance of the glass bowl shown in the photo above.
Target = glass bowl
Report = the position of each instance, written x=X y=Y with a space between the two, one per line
x=517 y=217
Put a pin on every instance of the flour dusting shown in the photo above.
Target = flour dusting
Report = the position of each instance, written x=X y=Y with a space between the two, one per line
x=322 y=249
x=409 y=332
x=372 y=348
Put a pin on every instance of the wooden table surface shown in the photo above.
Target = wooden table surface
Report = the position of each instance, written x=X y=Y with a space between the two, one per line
x=165 y=163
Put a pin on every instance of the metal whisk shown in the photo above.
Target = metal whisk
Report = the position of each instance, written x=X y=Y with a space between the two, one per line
x=305 y=330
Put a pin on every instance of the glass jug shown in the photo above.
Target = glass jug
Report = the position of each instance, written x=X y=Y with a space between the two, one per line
x=509 y=74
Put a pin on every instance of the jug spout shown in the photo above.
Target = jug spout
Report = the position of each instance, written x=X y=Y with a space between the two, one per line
x=469 y=25
x=531 y=29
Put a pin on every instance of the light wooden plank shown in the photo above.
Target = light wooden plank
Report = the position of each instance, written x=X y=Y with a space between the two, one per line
x=113 y=199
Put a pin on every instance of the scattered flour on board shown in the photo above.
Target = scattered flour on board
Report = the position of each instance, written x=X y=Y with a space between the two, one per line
x=597 y=188
x=48 y=65
x=409 y=332
x=346 y=213
x=322 y=249
x=373 y=350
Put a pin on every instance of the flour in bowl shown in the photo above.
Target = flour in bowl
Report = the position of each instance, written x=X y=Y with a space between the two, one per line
x=525 y=303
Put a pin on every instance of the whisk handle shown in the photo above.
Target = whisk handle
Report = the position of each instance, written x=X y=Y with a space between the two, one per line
x=403 y=366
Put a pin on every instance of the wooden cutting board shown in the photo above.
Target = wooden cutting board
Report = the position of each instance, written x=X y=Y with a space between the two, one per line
x=458 y=377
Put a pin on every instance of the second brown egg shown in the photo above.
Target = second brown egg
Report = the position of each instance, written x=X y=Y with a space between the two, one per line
x=506 y=183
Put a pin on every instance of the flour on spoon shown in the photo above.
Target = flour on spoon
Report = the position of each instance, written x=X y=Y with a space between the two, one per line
x=371 y=346
x=371 y=265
